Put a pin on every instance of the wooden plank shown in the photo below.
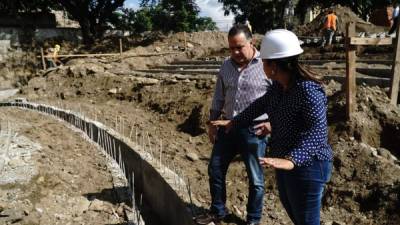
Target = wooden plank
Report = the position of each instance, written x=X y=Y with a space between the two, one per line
x=184 y=34
x=120 y=47
x=43 y=60
x=394 y=88
x=370 y=41
x=112 y=54
x=350 y=70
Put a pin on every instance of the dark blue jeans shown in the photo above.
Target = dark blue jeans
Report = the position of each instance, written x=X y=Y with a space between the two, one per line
x=301 y=189
x=226 y=147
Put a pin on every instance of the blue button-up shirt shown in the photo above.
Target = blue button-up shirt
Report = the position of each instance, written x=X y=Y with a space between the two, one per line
x=298 y=120
x=237 y=88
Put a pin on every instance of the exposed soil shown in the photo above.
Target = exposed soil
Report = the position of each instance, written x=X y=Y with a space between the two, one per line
x=70 y=182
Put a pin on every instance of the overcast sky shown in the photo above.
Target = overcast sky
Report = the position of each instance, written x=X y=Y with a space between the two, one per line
x=211 y=8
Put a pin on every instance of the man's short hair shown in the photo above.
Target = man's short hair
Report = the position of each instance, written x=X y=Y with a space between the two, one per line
x=240 y=28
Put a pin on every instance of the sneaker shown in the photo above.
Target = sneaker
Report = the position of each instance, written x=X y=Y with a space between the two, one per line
x=253 y=223
x=208 y=218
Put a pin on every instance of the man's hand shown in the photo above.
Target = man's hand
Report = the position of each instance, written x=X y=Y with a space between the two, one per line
x=277 y=163
x=263 y=129
x=223 y=123
x=212 y=133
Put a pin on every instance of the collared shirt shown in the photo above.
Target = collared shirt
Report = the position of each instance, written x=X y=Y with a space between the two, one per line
x=298 y=121
x=236 y=89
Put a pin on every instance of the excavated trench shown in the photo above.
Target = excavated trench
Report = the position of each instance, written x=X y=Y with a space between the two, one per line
x=155 y=187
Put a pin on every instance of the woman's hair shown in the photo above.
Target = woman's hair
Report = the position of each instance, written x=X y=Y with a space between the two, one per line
x=292 y=66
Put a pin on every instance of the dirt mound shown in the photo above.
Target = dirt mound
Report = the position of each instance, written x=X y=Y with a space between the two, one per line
x=345 y=15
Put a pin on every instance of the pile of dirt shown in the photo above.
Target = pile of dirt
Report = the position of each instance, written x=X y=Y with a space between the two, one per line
x=16 y=68
x=345 y=15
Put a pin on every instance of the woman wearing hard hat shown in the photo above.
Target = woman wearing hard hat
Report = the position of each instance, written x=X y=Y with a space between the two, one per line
x=296 y=104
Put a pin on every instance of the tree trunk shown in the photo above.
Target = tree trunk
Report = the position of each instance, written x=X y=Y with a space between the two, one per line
x=88 y=38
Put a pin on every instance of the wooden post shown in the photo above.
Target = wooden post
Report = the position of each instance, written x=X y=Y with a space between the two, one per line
x=350 y=70
x=395 y=80
x=184 y=35
x=43 y=61
x=120 y=48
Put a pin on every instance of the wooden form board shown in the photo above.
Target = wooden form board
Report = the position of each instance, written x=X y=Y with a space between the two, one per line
x=394 y=88
x=351 y=57
x=350 y=70
x=370 y=41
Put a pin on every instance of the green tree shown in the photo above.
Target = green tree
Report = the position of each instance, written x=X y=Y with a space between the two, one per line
x=177 y=15
x=92 y=15
x=205 y=23
x=143 y=20
x=268 y=14
x=14 y=7
x=262 y=14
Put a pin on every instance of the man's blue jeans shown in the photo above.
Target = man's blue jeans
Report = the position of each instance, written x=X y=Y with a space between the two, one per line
x=226 y=147
x=301 y=189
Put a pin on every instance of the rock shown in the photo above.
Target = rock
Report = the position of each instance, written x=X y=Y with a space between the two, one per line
x=82 y=205
x=77 y=71
x=40 y=180
x=16 y=162
x=374 y=152
x=38 y=83
x=114 y=90
x=192 y=156
x=39 y=210
x=157 y=49
x=121 y=210
x=363 y=145
x=145 y=80
x=189 y=45
x=385 y=153
x=100 y=206
x=333 y=223
x=237 y=211
x=94 y=68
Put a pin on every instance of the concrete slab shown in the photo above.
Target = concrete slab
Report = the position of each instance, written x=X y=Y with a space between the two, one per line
x=4 y=94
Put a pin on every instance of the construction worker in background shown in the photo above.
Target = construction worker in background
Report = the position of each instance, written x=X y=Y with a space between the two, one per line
x=330 y=24
x=52 y=57
x=57 y=62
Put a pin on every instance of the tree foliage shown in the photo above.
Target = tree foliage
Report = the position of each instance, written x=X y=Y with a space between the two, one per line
x=92 y=15
x=13 y=7
x=176 y=15
x=269 y=14
x=262 y=14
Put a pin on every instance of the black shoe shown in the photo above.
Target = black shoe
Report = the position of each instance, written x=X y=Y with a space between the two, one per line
x=208 y=218
x=253 y=223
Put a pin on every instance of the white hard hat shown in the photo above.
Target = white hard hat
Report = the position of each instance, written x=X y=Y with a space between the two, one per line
x=280 y=43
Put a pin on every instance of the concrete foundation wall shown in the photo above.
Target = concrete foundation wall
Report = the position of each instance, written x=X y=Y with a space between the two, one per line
x=156 y=193
x=17 y=35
